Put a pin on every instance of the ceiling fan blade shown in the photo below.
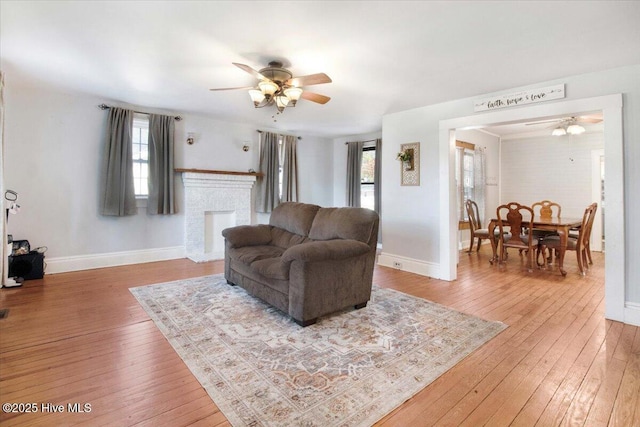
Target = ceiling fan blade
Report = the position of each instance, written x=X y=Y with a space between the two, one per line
x=250 y=70
x=311 y=79
x=587 y=119
x=545 y=121
x=232 y=88
x=581 y=119
x=315 y=97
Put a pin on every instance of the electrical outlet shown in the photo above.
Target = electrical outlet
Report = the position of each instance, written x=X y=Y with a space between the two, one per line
x=397 y=264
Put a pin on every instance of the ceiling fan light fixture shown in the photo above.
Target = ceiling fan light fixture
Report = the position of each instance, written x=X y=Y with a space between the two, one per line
x=293 y=93
x=256 y=96
x=268 y=88
x=281 y=102
x=277 y=87
x=575 y=129
x=559 y=131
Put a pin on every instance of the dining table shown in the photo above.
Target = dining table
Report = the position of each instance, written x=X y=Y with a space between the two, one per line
x=559 y=225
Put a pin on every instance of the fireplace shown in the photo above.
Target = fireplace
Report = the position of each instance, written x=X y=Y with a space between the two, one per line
x=214 y=200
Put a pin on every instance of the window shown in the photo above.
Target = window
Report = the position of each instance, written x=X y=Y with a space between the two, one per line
x=141 y=155
x=464 y=176
x=367 y=178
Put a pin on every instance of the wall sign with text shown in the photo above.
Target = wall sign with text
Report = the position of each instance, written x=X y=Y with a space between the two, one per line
x=519 y=98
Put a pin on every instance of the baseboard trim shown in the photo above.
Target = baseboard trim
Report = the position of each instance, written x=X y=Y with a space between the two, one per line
x=632 y=313
x=411 y=265
x=112 y=259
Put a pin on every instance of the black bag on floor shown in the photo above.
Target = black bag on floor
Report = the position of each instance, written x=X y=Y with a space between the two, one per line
x=25 y=263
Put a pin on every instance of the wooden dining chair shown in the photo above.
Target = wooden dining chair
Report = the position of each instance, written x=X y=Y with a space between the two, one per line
x=587 y=237
x=515 y=223
x=579 y=243
x=546 y=209
x=476 y=229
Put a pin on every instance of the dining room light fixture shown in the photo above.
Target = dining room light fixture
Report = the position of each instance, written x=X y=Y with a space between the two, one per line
x=575 y=129
x=570 y=128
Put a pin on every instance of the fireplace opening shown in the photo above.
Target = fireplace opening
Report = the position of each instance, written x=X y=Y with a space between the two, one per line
x=214 y=223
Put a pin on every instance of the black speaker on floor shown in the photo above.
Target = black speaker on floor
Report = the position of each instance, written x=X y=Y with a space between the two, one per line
x=28 y=266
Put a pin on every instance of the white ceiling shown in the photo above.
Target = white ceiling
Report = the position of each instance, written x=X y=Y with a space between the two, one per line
x=383 y=57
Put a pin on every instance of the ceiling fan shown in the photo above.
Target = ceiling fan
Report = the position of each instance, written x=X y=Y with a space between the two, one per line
x=568 y=125
x=278 y=86
x=573 y=119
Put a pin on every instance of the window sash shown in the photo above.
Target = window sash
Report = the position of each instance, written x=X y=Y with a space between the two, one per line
x=140 y=153
x=367 y=178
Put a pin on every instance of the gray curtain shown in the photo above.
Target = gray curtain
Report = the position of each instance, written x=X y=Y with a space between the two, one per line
x=377 y=176
x=267 y=191
x=290 y=170
x=161 y=189
x=354 y=165
x=118 y=193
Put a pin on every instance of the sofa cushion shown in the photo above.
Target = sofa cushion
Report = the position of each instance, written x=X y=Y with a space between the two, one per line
x=343 y=223
x=294 y=217
x=250 y=254
x=325 y=250
x=285 y=239
x=272 y=268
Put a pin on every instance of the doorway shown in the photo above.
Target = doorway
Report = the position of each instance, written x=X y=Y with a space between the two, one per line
x=611 y=107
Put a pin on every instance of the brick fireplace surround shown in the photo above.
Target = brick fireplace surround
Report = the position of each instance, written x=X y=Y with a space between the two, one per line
x=214 y=200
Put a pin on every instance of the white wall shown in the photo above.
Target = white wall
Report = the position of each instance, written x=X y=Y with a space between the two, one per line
x=53 y=148
x=315 y=170
x=412 y=214
x=550 y=168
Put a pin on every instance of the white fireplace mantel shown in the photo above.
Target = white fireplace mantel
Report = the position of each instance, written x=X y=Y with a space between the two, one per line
x=214 y=200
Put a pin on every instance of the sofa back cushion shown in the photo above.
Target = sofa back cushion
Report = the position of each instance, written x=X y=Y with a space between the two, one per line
x=344 y=223
x=294 y=217
x=285 y=239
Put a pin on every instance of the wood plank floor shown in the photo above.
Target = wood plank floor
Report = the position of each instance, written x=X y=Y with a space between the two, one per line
x=81 y=338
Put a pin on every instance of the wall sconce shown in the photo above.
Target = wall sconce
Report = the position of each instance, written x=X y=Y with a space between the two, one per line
x=190 y=138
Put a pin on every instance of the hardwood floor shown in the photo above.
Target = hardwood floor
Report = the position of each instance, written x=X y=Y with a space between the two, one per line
x=81 y=337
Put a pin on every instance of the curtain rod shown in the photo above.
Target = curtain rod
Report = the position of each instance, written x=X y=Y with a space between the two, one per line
x=369 y=140
x=106 y=107
x=299 y=137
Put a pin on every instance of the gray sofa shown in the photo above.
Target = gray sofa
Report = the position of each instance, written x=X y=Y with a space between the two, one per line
x=308 y=261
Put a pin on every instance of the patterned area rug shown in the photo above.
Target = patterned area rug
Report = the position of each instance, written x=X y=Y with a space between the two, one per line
x=349 y=369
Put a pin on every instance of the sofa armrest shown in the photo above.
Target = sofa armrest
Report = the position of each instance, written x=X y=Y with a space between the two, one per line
x=325 y=250
x=247 y=235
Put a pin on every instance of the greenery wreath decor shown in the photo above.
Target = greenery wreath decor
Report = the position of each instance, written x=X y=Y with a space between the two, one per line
x=405 y=155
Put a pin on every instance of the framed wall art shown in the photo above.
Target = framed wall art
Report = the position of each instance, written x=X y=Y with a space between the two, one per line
x=409 y=157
